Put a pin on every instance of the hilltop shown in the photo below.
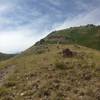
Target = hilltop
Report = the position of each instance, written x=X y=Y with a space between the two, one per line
x=88 y=36
x=59 y=67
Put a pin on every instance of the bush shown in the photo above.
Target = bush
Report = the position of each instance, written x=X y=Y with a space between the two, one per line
x=60 y=64
x=10 y=84
x=3 y=91
x=40 y=49
x=7 y=98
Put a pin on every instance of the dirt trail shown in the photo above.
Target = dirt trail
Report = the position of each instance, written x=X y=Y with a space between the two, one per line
x=5 y=73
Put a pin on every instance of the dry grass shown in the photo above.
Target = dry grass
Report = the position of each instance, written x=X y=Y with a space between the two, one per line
x=39 y=76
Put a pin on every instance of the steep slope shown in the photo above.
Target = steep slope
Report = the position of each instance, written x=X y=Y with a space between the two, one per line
x=88 y=35
x=53 y=72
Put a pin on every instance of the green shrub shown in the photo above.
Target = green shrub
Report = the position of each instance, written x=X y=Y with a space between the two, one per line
x=10 y=84
x=3 y=91
x=60 y=64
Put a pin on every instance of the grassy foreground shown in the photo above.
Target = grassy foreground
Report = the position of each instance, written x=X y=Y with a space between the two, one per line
x=43 y=73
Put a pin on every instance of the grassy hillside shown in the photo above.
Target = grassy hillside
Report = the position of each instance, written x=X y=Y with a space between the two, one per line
x=55 y=68
x=45 y=72
x=88 y=35
x=5 y=56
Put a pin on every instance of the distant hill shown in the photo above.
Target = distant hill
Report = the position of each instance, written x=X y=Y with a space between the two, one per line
x=88 y=36
x=5 y=56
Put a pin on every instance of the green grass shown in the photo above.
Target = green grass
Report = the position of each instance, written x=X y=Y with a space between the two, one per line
x=88 y=36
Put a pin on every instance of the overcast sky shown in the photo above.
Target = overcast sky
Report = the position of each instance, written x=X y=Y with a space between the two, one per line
x=23 y=22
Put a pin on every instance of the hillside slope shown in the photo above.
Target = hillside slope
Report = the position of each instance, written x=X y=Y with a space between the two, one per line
x=88 y=36
x=53 y=72
x=55 y=68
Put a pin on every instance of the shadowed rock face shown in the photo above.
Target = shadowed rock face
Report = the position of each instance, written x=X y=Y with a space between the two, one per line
x=67 y=53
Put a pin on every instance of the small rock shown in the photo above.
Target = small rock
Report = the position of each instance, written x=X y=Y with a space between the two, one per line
x=23 y=93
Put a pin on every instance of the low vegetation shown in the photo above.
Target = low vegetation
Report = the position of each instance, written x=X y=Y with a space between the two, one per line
x=54 y=71
x=50 y=75
x=88 y=36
